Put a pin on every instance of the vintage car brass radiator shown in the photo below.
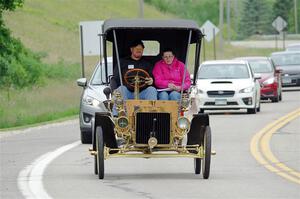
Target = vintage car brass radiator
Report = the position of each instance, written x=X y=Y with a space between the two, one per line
x=144 y=127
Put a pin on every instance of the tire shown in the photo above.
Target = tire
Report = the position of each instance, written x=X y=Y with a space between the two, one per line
x=86 y=137
x=258 y=108
x=207 y=153
x=100 y=152
x=95 y=165
x=197 y=165
x=275 y=99
x=280 y=96
x=251 y=110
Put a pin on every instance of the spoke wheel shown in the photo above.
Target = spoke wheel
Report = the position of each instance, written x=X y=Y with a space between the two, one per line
x=197 y=165
x=100 y=152
x=207 y=153
x=95 y=165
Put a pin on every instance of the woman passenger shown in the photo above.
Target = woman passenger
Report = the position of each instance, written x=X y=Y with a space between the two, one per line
x=168 y=74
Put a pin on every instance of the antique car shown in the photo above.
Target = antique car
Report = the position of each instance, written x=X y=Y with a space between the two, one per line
x=151 y=128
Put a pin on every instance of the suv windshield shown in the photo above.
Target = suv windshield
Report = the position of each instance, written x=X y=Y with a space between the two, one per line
x=99 y=75
x=286 y=59
x=223 y=71
x=261 y=66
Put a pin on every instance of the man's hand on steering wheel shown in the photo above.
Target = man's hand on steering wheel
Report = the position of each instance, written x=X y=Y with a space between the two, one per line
x=139 y=76
x=149 y=81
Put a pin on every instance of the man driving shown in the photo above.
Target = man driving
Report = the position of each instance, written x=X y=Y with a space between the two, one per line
x=136 y=61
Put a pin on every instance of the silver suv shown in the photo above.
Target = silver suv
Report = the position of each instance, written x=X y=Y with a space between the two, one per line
x=90 y=99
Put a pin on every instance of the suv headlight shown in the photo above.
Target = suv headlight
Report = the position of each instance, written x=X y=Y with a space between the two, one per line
x=200 y=91
x=91 y=101
x=247 y=90
x=183 y=123
x=269 y=81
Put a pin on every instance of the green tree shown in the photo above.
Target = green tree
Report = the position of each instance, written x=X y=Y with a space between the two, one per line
x=255 y=18
x=19 y=67
x=285 y=9
x=199 y=10
x=10 y=4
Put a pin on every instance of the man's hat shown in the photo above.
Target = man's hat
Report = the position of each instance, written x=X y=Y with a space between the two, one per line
x=136 y=42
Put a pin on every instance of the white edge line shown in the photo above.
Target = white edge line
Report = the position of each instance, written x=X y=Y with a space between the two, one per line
x=30 y=179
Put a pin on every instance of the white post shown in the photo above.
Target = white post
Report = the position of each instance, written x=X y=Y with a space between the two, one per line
x=221 y=7
x=296 y=17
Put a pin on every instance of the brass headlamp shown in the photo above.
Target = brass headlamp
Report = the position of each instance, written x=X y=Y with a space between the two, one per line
x=185 y=102
x=118 y=100
x=183 y=127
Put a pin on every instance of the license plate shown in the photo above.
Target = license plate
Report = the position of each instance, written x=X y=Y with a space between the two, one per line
x=220 y=102
x=286 y=80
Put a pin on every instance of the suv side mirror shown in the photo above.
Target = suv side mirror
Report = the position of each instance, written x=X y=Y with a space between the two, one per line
x=192 y=77
x=278 y=70
x=82 y=82
x=257 y=76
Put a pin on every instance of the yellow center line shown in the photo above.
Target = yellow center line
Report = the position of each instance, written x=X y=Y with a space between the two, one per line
x=260 y=148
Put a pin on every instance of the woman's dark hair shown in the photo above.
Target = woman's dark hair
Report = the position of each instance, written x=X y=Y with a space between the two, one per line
x=167 y=49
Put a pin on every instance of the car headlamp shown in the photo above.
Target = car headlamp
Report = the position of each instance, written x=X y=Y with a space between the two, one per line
x=183 y=123
x=91 y=101
x=200 y=91
x=247 y=90
x=269 y=81
x=122 y=122
x=118 y=99
x=185 y=101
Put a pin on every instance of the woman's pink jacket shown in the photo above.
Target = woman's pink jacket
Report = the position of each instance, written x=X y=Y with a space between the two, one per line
x=173 y=73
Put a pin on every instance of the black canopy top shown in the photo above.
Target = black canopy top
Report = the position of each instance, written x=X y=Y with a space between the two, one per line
x=140 y=27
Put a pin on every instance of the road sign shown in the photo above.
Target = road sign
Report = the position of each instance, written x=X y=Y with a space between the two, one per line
x=90 y=38
x=210 y=30
x=279 y=24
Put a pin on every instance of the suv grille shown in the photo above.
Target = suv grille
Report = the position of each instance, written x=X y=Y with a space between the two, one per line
x=144 y=125
x=220 y=93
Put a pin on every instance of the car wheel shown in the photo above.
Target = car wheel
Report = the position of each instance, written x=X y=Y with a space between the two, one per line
x=86 y=137
x=275 y=99
x=258 y=108
x=251 y=110
x=207 y=153
x=280 y=96
x=95 y=165
x=197 y=165
x=100 y=152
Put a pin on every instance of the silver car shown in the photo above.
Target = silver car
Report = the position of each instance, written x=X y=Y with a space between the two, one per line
x=289 y=63
x=91 y=98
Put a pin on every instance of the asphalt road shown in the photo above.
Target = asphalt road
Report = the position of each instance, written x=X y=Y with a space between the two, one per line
x=28 y=169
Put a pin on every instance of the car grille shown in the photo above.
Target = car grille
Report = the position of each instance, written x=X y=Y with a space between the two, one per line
x=220 y=93
x=213 y=103
x=144 y=125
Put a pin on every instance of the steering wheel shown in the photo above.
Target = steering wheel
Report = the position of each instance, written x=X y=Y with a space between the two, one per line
x=136 y=74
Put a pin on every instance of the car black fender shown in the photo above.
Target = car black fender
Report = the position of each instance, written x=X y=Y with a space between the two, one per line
x=103 y=119
x=198 y=125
